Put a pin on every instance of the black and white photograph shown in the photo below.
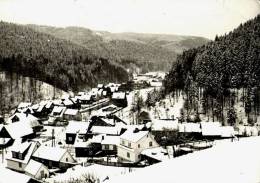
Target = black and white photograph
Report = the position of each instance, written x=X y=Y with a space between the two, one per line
x=129 y=91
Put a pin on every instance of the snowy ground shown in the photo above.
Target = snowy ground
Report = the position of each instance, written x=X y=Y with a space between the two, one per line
x=227 y=162
x=98 y=171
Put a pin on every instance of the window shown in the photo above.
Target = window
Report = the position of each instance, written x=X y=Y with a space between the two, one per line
x=42 y=173
x=139 y=156
x=150 y=144
x=67 y=159
x=20 y=156
x=70 y=138
x=129 y=144
x=123 y=142
x=139 y=145
x=106 y=147
x=20 y=165
x=128 y=154
x=114 y=147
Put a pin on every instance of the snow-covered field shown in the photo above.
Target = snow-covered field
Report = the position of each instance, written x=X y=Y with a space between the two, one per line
x=227 y=162
x=98 y=171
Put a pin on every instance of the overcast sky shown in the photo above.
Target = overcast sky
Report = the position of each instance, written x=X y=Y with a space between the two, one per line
x=185 y=17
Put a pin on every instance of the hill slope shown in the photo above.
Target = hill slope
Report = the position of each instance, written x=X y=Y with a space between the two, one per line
x=147 y=51
x=229 y=61
x=56 y=61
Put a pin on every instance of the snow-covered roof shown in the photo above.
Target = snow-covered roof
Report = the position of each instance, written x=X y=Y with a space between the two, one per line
x=100 y=85
x=190 y=127
x=157 y=153
x=210 y=128
x=77 y=127
x=111 y=140
x=24 y=117
x=85 y=97
x=33 y=167
x=48 y=105
x=110 y=130
x=21 y=147
x=24 y=105
x=67 y=102
x=71 y=112
x=19 y=129
x=58 y=109
x=119 y=95
x=227 y=131
x=132 y=136
x=160 y=125
x=49 y=153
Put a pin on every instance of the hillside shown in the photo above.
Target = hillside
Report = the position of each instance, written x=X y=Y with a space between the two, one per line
x=145 y=51
x=59 y=62
x=228 y=70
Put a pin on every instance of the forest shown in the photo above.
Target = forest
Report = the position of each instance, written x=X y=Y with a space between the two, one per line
x=59 y=62
x=221 y=79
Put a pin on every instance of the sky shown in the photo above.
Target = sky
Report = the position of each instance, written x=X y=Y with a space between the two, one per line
x=204 y=18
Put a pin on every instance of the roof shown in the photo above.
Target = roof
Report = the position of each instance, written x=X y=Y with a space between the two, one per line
x=32 y=120
x=49 y=153
x=210 y=128
x=77 y=127
x=19 y=129
x=100 y=85
x=134 y=137
x=190 y=127
x=67 y=102
x=85 y=97
x=119 y=95
x=33 y=167
x=21 y=147
x=24 y=105
x=160 y=125
x=157 y=153
x=111 y=140
x=72 y=112
x=58 y=109
x=110 y=130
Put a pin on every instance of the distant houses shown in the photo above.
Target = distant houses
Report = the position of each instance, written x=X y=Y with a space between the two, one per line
x=119 y=99
x=74 y=129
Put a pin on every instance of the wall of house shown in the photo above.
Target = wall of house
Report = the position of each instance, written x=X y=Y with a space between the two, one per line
x=110 y=147
x=38 y=174
x=67 y=158
x=15 y=165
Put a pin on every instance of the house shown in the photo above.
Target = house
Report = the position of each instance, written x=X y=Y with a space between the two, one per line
x=109 y=144
x=119 y=99
x=132 y=143
x=36 y=170
x=19 y=130
x=29 y=119
x=58 y=111
x=87 y=148
x=75 y=128
x=164 y=124
x=20 y=155
x=72 y=114
x=211 y=129
x=54 y=157
x=68 y=103
x=86 y=99
x=22 y=117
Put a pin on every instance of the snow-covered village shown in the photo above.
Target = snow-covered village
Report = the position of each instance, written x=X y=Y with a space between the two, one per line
x=113 y=91
x=105 y=132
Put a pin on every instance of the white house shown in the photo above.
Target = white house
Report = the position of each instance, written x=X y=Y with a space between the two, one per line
x=20 y=155
x=110 y=143
x=36 y=170
x=132 y=143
